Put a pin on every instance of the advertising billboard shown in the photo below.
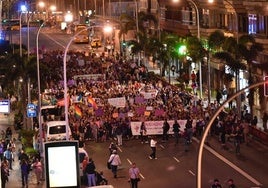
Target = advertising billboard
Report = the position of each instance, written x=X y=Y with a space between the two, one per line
x=62 y=164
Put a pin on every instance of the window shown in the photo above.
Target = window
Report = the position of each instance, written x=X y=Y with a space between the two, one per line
x=252 y=23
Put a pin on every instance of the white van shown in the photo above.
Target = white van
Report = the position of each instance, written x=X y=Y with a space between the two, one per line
x=56 y=130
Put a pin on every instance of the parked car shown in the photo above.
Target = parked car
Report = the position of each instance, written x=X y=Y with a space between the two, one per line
x=56 y=130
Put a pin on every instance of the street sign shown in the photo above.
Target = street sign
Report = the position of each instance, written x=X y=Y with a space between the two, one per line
x=31 y=110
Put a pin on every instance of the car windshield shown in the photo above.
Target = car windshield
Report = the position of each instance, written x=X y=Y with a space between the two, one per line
x=57 y=129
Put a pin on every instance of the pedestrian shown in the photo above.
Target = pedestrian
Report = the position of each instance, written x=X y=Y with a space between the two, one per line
x=23 y=155
x=119 y=133
x=90 y=171
x=115 y=161
x=8 y=134
x=237 y=135
x=112 y=147
x=216 y=184
x=2 y=149
x=134 y=173
x=24 y=167
x=153 y=143
x=9 y=157
x=166 y=128
x=176 y=130
x=231 y=183
x=264 y=120
x=186 y=137
x=143 y=132
x=38 y=169
x=218 y=97
x=4 y=173
x=254 y=121
x=84 y=175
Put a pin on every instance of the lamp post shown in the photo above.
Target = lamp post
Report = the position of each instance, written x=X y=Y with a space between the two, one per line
x=198 y=36
x=28 y=35
x=65 y=77
x=23 y=9
x=202 y=141
x=137 y=27
x=39 y=90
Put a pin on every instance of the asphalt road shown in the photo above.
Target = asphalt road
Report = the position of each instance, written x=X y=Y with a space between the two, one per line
x=49 y=39
x=177 y=168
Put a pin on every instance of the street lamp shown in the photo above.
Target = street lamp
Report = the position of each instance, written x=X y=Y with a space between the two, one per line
x=23 y=9
x=65 y=77
x=28 y=34
x=39 y=90
x=198 y=36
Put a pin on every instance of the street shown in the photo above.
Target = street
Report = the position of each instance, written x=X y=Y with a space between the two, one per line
x=173 y=167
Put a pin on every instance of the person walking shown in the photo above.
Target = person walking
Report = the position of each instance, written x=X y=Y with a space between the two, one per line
x=4 y=173
x=90 y=171
x=134 y=173
x=237 y=134
x=38 y=170
x=24 y=167
x=176 y=130
x=153 y=143
x=9 y=156
x=143 y=132
x=115 y=161
x=119 y=133
x=165 y=127
x=216 y=184
x=231 y=183
x=264 y=120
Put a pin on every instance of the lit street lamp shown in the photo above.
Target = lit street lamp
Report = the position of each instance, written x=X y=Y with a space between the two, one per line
x=39 y=90
x=23 y=10
x=65 y=77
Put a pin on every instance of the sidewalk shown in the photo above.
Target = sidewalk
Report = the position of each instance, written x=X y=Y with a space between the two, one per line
x=15 y=174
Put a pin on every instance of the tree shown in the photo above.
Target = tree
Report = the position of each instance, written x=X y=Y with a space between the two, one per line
x=215 y=42
x=249 y=49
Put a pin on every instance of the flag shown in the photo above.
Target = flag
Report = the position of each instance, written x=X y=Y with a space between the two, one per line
x=77 y=111
x=61 y=102
x=92 y=102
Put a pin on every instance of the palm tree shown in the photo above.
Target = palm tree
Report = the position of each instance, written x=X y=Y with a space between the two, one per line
x=215 y=42
x=249 y=49
x=19 y=68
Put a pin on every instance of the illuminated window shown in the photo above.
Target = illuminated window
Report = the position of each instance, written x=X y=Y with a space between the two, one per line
x=252 y=23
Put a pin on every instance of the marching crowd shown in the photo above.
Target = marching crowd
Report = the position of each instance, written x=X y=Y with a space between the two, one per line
x=127 y=79
x=100 y=78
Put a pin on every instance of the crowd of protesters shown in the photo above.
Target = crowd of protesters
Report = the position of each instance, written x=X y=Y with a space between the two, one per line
x=101 y=78
x=127 y=79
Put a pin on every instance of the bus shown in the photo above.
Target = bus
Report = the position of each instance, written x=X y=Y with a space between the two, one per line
x=83 y=36
x=11 y=25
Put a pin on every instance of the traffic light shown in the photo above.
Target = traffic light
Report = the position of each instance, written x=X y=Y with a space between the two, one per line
x=182 y=50
x=266 y=86
x=87 y=20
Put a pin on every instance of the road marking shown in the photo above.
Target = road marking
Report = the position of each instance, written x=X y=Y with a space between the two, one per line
x=176 y=159
x=242 y=172
x=162 y=146
x=129 y=161
x=119 y=149
x=142 y=176
x=53 y=39
x=191 y=172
